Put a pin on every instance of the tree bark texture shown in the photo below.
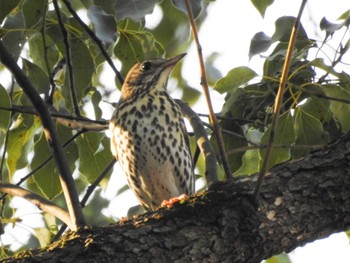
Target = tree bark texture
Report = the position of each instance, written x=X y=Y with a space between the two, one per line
x=301 y=201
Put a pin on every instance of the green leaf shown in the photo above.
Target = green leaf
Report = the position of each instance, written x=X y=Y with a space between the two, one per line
x=43 y=235
x=104 y=24
x=284 y=27
x=36 y=52
x=136 y=46
x=33 y=12
x=308 y=131
x=284 y=134
x=14 y=39
x=281 y=258
x=329 y=27
x=83 y=69
x=340 y=110
x=262 y=5
x=36 y=76
x=95 y=154
x=319 y=63
x=134 y=9
x=46 y=178
x=259 y=43
x=196 y=6
x=20 y=143
x=5 y=115
x=6 y=7
x=234 y=79
x=250 y=163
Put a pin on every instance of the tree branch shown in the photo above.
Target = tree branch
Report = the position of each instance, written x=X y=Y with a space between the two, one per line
x=42 y=203
x=67 y=182
x=68 y=58
x=95 y=39
x=300 y=201
x=203 y=142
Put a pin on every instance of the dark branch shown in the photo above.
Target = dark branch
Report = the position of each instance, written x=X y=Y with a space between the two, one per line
x=68 y=58
x=300 y=201
x=68 y=185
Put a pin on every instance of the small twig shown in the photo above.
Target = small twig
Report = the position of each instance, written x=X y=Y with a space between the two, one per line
x=278 y=102
x=68 y=58
x=202 y=142
x=204 y=83
x=95 y=183
x=42 y=203
x=280 y=146
x=95 y=39
x=67 y=181
x=72 y=122
x=47 y=64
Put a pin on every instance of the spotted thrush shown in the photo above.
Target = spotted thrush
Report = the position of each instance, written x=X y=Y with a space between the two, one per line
x=148 y=135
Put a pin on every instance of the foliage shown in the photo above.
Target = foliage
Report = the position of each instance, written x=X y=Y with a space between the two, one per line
x=314 y=111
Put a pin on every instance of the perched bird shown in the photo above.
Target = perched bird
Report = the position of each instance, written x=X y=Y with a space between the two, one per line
x=148 y=135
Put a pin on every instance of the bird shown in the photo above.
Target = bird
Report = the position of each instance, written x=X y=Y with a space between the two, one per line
x=148 y=135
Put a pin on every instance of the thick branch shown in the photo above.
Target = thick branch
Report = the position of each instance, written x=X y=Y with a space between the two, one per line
x=300 y=201
x=67 y=182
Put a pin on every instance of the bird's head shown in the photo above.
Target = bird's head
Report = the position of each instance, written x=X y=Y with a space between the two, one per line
x=147 y=75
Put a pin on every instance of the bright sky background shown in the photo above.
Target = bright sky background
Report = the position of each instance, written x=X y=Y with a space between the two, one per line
x=228 y=30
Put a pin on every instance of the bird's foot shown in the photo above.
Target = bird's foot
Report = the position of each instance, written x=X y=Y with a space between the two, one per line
x=169 y=203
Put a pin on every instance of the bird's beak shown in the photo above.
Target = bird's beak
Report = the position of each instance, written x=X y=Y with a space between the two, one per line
x=174 y=60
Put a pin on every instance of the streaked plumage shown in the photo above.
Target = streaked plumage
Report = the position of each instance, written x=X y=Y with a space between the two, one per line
x=149 y=137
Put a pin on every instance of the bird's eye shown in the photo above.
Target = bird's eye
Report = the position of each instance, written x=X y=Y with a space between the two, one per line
x=145 y=66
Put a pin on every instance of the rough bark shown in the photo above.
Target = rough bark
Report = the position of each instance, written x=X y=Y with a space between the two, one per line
x=301 y=201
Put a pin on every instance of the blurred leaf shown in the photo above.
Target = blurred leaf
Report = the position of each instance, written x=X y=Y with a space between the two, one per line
x=190 y=95
x=196 y=6
x=284 y=27
x=319 y=63
x=250 y=163
x=284 y=134
x=20 y=143
x=213 y=74
x=133 y=9
x=6 y=7
x=234 y=79
x=33 y=12
x=37 y=77
x=259 y=43
x=136 y=46
x=13 y=38
x=308 y=131
x=36 y=52
x=281 y=258
x=4 y=114
x=345 y=16
x=329 y=27
x=95 y=154
x=340 y=110
x=47 y=177
x=104 y=24
x=262 y=5
x=83 y=69
x=43 y=235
